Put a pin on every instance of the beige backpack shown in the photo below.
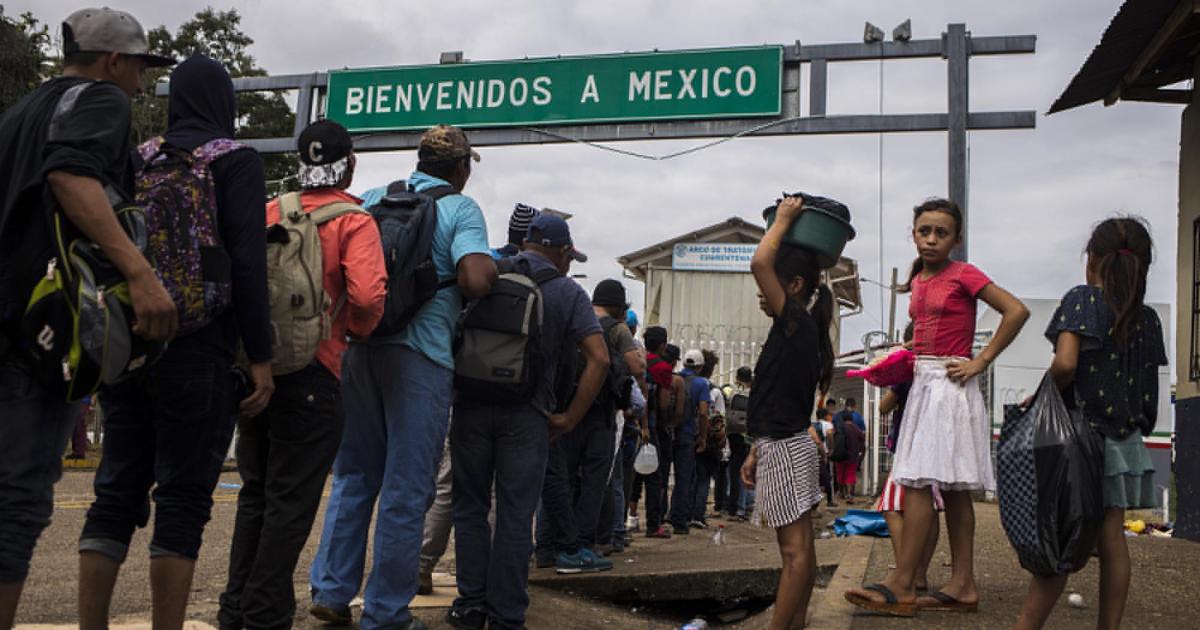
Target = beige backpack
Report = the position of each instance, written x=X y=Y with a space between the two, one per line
x=299 y=304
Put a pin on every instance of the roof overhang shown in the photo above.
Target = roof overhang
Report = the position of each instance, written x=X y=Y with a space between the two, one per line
x=1150 y=44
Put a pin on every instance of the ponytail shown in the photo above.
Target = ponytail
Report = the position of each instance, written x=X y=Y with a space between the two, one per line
x=1120 y=253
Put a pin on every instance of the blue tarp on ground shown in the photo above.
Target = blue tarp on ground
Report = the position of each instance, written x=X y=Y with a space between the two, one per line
x=861 y=523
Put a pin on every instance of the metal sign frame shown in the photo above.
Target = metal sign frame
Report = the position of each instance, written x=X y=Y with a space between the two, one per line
x=956 y=46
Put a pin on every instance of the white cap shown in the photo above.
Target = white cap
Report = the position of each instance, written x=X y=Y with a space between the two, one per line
x=693 y=359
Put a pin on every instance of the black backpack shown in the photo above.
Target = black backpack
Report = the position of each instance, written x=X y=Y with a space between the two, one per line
x=737 y=416
x=838 y=451
x=618 y=382
x=498 y=347
x=407 y=221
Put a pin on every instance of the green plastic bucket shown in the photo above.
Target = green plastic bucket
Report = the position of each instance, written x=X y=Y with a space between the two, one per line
x=824 y=227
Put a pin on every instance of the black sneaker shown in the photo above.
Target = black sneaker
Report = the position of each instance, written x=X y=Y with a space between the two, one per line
x=466 y=619
x=333 y=615
x=544 y=560
x=680 y=530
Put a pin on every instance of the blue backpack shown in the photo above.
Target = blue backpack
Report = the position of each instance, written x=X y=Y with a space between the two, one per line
x=407 y=221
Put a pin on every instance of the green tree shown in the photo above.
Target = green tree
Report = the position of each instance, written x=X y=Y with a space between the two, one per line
x=24 y=56
x=218 y=34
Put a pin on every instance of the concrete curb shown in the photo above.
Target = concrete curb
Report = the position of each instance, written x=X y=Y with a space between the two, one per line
x=831 y=611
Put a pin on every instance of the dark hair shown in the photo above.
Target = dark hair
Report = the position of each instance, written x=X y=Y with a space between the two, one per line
x=1121 y=252
x=908 y=332
x=82 y=59
x=830 y=401
x=936 y=204
x=791 y=262
x=850 y=402
x=710 y=363
x=443 y=169
x=745 y=374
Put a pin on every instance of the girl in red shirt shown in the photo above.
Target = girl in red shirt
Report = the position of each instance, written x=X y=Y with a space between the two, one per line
x=945 y=441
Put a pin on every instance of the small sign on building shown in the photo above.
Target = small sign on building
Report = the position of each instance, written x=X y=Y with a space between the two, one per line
x=721 y=257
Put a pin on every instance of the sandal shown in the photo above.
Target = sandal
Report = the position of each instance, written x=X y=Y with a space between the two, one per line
x=946 y=603
x=888 y=606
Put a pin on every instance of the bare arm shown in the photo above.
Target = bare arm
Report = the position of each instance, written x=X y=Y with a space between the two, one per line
x=1066 y=359
x=476 y=273
x=763 y=262
x=680 y=398
x=86 y=205
x=1013 y=315
x=889 y=403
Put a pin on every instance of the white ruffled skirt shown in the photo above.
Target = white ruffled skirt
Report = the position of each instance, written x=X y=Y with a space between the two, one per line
x=945 y=438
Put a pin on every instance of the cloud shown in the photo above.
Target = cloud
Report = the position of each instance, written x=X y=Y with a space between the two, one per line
x=1034 y=194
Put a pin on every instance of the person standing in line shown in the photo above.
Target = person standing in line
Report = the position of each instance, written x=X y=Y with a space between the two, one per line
x=505 y=446
x=284 y=455
x=397 y=392
x=796 y=362
x=739 y=445
x=708 y=461
x=439 y=521
x=70 y=166
x=946 y=440
x=167 y=431
x=1108 y=346
x=691 y=438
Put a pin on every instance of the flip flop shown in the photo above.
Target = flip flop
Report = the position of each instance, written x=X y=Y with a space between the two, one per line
x=946 y=603
x=888 y=606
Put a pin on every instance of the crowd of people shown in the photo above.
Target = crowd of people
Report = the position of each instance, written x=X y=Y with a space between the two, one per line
x=454 y=387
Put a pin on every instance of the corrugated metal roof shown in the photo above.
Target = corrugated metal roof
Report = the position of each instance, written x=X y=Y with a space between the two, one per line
x=1131 y=30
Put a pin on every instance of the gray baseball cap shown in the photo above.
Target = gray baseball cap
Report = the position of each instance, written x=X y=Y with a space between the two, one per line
x=107 y=30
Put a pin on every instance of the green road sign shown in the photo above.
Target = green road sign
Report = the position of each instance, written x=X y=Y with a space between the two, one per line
x=715 y=83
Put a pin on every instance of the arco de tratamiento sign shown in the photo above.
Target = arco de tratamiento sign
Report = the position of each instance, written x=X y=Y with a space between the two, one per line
x=710 y=83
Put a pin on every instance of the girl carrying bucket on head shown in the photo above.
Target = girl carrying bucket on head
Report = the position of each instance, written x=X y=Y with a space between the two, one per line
x=945 y=440
x=797 y=359
x=1108 y=346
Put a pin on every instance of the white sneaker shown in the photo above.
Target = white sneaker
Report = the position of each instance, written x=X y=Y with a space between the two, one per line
x=632 y=524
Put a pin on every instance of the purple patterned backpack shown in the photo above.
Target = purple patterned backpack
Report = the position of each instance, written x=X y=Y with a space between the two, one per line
x=175 y=190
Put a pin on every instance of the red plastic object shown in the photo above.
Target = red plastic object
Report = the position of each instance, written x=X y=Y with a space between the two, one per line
x=894 y=369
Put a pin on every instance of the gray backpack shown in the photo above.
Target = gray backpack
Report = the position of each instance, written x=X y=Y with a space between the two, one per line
x=497 y=350
x=299 y=304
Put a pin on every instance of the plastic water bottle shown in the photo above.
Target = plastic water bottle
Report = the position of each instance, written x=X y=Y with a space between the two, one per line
x=718 y=537
x=695 y=624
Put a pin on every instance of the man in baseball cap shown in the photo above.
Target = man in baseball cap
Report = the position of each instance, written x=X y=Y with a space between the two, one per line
x=552 y=232
x=445 y=143
x=326 y=155
x=106 y=30
x=82 y=162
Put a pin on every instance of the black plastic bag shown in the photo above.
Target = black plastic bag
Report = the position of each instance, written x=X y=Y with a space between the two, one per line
x=1050 y=471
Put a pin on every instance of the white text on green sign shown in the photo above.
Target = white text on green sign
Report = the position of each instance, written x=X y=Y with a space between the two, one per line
x=721 y=83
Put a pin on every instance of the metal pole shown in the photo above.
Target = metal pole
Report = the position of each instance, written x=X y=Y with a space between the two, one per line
x=892 y=309
x=957 y=50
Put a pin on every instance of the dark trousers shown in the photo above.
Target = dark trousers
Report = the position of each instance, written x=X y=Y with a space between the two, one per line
x=685 y=469
x=588 y=453
x=826 y=479
x=556 y=515
x=34 y=427
x=506 y=448
x=169 y=430
x=284 y=456
x=708 y=464
x=739 y=449
x=658 y=482
x=721 y=485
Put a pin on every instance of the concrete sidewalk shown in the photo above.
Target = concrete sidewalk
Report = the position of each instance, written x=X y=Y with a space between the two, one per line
x=648 y=581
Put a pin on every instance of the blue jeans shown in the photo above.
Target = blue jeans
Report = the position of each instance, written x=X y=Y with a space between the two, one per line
x=509 y=447
x=166 y=435
x=397 y=405
x=685 y=470
x=34 y=431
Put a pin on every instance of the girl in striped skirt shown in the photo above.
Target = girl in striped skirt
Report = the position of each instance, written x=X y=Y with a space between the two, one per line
x=783 y=465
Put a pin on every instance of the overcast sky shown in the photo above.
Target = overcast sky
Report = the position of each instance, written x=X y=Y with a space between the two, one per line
x=1034 y=194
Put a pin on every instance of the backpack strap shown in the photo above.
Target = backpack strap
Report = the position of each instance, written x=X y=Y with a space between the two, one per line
x=437 y=192
x=331 y=211
x=289 y=204
x=543 y=276
x=66 y=103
